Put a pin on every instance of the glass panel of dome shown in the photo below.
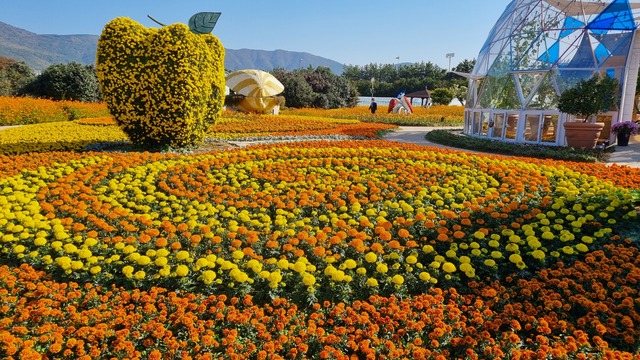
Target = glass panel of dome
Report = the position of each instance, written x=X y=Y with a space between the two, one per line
x=509 y=98
x=563 y=50
x=551 y=56
x=549 y=128
x=501 y=63
x=511 y=127
x=484 y=127
x=617 y=16
x=601 y=53
x=497 y=126
x=579 y=57
x=473 y=94
x=490 y=91
x=569 y=78
x=543 y=52
x=497 y=60
x=545 y=96
x=528 y=82
x=531 y=127
x=617 y=45
x=477 y=123
x=570 y=25
x=482 y=65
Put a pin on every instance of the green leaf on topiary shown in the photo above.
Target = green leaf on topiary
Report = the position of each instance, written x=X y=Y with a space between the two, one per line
x=203 y=22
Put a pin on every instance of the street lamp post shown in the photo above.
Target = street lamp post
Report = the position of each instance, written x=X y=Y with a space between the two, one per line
x=373 y=80
x=449 y=56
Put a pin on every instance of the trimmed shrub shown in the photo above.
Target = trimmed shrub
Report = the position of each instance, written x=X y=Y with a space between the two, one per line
x=165 y=86
x=72 y=81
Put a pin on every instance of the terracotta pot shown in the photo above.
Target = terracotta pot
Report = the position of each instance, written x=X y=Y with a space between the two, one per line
x=582 y=135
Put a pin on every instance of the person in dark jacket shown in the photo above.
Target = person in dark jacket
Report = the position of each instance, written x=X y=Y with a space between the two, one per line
x=374 y=106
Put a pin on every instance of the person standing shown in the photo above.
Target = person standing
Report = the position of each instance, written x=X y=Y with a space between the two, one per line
x=374 y=106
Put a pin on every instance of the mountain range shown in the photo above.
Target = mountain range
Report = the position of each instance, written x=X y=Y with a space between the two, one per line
x=41 y=51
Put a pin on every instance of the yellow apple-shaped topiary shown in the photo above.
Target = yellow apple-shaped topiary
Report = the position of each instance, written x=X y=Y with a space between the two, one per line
x=163 y=86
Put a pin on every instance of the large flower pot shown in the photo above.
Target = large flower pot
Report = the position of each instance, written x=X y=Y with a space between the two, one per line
x=582 y=135
x=623 y=138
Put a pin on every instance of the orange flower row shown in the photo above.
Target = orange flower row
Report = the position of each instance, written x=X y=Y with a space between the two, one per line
x=599 y=295
x=25 y=110
x=243 y=125
x=518 y=319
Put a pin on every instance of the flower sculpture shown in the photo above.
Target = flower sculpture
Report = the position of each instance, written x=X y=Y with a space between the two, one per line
x=165 y=86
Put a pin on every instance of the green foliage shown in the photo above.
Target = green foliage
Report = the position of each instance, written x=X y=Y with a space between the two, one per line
x=460 y=92
x=13 y=76
x=316 y=88
x=456 y=139
x=164 y=87
x=442 y=96
x=297 y=92
x=72 y=81
x=589 y=97
x=389 y=79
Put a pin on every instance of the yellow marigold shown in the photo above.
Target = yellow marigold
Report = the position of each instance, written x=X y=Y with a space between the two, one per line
x=515 y=258
x=397 y=279
x=182 y=270
x=372 y=282
x=208 y=276
x=308 y=279
x=448 y=267
x=538 y=254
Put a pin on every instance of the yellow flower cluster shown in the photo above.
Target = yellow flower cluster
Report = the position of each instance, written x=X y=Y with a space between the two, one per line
x=335 y=220
x=164 y=86
x=58 y=136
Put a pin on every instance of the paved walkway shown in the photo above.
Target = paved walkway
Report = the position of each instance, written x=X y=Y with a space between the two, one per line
x=623 y=155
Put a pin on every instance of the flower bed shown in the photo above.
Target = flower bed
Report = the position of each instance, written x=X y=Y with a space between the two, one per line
x=248 y=126
x=56 y=136
x=25 y=110
x=317 y=250
x=438 y=115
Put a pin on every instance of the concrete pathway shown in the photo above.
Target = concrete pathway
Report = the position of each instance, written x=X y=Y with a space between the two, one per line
x=623 y=155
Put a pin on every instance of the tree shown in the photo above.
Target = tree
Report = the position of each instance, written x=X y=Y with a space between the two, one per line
x=297 y=92
x=459 y=92
x=391 y=79
x=72 y=81
x=466 y=66
x=14 y=75
x=442 y=96
x=319 y=88
x=589 y=97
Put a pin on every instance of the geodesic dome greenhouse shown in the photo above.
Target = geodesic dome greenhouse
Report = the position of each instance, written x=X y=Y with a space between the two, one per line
x=539 y=48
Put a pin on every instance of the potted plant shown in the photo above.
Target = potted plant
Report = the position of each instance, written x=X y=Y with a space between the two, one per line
x=624 y=130
x=585 y=101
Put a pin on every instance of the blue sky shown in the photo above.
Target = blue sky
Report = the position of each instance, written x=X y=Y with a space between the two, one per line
x=352 y=32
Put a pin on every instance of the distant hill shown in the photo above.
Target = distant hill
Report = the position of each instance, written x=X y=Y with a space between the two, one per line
x=41 y=51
